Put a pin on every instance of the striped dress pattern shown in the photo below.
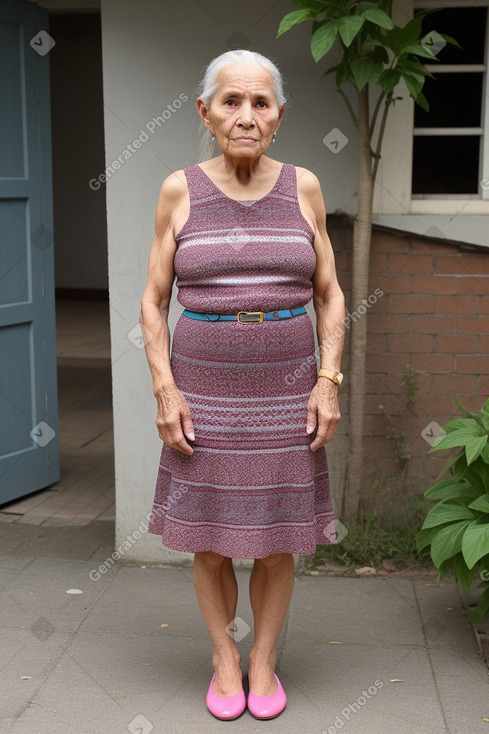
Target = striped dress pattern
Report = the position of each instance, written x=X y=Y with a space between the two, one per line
x=252 y=487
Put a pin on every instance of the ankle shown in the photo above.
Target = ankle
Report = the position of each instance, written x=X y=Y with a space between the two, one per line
x=262 y=658
x=226 y=656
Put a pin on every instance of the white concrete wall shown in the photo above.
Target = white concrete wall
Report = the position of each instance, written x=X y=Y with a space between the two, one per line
x=152 y=54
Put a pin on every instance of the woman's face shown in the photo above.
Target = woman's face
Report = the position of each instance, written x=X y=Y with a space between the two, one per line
x=243 y=114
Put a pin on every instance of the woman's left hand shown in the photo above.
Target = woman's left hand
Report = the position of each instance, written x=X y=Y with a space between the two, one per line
x=323 y=410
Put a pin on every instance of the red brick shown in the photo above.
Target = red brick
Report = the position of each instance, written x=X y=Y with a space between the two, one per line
x=457 y=304
x=386 y=323
x=374 y=425
x=440 y=408
x=410 y=304
x=485 y=305
x=377 y=343
x=472 y=325
x=434 y=284
x=392 y=283
x=473 y=364
x=388 y=362
x=410 y=264
x=472 y=402
x=456 y=344
x=372 y=403
x=434 y=363
x=375 y=384
x=433 y=324
x=378 y=262
x=463 y=264
x=484 y=347
x=477 y=285
x=435 y=248
x=410 y=343
x=454 y=384
x=387 y=242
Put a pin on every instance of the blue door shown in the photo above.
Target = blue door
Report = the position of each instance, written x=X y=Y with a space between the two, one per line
x=28 y=386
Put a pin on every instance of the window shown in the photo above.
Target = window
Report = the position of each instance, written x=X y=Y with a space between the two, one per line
x=450 y=150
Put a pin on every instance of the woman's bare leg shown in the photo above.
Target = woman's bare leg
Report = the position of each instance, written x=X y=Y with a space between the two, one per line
x=217 y=593
x=271 y=586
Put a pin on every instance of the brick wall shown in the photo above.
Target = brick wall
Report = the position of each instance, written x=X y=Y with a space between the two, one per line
x=432 y=318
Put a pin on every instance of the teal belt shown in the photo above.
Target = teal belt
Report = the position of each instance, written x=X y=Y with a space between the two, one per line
x=247 y=317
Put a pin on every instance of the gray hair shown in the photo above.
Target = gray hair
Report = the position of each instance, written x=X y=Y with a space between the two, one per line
x=208 y=87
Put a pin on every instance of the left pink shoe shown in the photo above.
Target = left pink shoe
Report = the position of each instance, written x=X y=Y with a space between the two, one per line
x=267 y=707
x=225 y=707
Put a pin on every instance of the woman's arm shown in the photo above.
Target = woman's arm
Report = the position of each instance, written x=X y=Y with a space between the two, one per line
x=173 y=414
x=329 y=305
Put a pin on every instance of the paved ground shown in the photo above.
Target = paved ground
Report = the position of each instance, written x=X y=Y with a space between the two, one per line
x=130 y=652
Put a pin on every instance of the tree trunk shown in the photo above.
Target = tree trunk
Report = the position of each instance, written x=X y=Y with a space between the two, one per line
x=358 y=344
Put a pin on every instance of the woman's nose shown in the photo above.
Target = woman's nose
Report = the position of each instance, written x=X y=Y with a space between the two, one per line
x=245 y=115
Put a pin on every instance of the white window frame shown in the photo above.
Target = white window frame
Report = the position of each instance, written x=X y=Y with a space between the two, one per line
x=393 y=187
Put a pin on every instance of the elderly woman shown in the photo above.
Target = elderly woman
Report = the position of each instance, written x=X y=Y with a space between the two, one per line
x=241 y=408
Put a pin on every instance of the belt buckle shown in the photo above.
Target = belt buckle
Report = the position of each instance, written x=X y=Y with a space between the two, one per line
x=259 y=314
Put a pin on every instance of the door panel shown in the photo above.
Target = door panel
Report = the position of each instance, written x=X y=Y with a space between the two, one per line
x=28 y=382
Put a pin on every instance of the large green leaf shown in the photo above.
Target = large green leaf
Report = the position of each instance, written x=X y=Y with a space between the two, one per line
x=448 y=541
x=459 y=423
x=473 y=448
x=475 y=542
x=424 y=537
x=292 y=19
x=389 y=79
x=448 y=490
x=463 y=574
x=415 y=86
x=372 y=12
x=417 y=49
x=477 y=474
x=323 y=40
x=349 y=27
x=365 y=71
x=481 y=503
x=458 y=437
x=446 y=512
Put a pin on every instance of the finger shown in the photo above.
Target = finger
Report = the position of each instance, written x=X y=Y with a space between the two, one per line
x=188 y=426
x=311 y=419
x=326 y=432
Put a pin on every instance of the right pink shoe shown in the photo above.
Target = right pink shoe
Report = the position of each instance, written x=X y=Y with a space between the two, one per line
x=225 y=707
x=267 y=707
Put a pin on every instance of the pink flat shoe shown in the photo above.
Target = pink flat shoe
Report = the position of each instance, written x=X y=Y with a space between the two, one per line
x=267 y=707
x=225 y=707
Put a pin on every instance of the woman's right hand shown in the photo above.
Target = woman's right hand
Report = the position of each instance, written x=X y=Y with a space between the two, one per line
x=173 y=420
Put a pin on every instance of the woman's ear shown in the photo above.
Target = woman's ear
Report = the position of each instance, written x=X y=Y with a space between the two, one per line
x=204 y=114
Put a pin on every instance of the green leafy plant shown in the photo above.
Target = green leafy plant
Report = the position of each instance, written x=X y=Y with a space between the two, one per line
x=457 y=527
x=403 y=450
x=376 y=55
x=410 y=379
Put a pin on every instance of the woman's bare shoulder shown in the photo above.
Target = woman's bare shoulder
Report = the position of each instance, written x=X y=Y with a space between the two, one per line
x=174 y=186
x=307 y=181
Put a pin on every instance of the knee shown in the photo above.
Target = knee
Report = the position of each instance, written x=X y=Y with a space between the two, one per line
x=211 y=559
x=271 y=562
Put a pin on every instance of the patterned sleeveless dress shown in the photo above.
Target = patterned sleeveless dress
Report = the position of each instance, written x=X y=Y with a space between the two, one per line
x=252 y=487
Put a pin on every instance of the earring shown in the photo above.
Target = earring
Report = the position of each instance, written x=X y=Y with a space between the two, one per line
x=213 y=138
x=273 y=137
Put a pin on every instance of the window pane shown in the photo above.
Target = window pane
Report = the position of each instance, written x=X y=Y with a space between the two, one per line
x=446 y=164
x=454 y=100
x=467 y=26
